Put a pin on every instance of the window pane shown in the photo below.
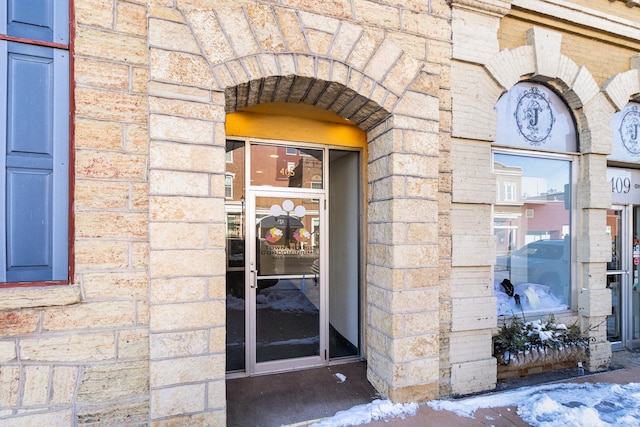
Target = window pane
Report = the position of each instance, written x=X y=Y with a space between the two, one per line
x=273 y=165
x=532 y=228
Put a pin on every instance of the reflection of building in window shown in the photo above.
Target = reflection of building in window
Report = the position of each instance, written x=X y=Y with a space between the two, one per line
x=531 y=225
x=291 y=151
x=510 y=191
x=233 y=225
x=228 y=185
x=315 y=232
x=316 y=185
x=229 y=156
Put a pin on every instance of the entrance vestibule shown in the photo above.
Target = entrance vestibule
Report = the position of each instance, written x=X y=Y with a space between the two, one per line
x=293 y=255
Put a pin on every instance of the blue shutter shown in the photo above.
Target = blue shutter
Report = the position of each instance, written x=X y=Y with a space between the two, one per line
x=36 y=163
x=32 y=19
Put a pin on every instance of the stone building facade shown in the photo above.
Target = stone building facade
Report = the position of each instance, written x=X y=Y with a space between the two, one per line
x=137 y=335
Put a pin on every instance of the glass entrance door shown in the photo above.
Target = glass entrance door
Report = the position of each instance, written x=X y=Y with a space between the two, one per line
x=617 y=273
x=623 y=277
x=286 y=298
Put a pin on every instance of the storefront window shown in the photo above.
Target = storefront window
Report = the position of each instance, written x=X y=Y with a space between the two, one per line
x=533 y=256
x=532 y=213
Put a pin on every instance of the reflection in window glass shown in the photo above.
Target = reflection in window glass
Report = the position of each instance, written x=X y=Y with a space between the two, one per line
x=532 y=226
x=279 y=166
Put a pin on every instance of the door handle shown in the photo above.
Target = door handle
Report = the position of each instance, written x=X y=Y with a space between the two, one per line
x=254 y=279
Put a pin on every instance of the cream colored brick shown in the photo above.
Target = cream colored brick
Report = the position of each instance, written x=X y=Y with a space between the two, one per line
x=594 y=302
x=180 y=68
x=365 y=47
x=20 y=322
x=101 y=195
x=186 y=157
x=133 y=344
x=136 y=138
x=163 y=182
x=470 y=346
x=63 y=384
x=473 y=377
x=377 y=14
x=262 y=22
x=168 y=317
x=101 y=254
x=471 y=282
x=58 y=418
x=180 y=129
x=25 y=297
x=412 y=348
x=9 y=385
x=111 y=106
x=176 y=91
x=94 y=13
x=179 y=289
x=108 y=45
x=131 y=284
x=139 y=80
x=216 y=393
x=123 y=225
x=416 y=300
x=36 y=385
x=421 y=371
x=474 y=36
x=124 y=380
x=101 y=74
x=178 y=344
x=473 y=313
x=98 y=134
x=103 y=164
x=190 y=370
x=184 y=399
x=7 y=351
x=69 y=348
x=177 y=236
x=131 y=18
x=172 y=36
x=90 y=315
x=172 y=208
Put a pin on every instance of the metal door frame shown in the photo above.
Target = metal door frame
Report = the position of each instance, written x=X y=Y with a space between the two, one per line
x=252 y=367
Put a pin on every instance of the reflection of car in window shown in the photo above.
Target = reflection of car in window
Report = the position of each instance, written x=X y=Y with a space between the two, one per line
x=543 y=261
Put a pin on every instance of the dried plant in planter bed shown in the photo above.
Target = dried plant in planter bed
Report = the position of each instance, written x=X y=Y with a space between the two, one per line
x=526 y=344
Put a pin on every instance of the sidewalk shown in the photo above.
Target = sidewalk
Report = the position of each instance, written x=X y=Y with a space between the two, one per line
x=625 y=368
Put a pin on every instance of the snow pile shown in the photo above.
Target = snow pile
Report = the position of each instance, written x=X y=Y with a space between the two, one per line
x=363 y=414
x=580 y=405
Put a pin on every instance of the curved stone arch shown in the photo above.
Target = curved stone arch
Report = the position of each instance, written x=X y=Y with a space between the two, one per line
x=354 y=71
x=625 y=86
x=541 y=60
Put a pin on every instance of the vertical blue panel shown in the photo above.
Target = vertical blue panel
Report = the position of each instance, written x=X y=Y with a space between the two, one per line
x=30 y=88
x=60 y=200
x=3 y=147
x=32 y=19
x=29 y=219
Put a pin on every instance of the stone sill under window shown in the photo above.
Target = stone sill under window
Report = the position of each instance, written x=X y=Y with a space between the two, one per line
x=40 y=296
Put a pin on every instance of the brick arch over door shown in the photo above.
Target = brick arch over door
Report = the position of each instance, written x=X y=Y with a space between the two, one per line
x=204 y=64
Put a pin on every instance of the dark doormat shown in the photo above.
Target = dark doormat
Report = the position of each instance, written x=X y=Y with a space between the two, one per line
x=294 y=397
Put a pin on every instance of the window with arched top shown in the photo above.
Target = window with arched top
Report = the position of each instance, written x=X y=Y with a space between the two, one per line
x=533 y=161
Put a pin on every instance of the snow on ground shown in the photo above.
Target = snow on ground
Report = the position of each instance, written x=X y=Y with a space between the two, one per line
x=363 y=414
x=551 y=405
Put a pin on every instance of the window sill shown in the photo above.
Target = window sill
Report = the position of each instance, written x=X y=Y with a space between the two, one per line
x=40 y=296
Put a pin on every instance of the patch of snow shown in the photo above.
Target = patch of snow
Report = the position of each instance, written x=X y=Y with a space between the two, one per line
x=550 y=405
x=363 y=414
